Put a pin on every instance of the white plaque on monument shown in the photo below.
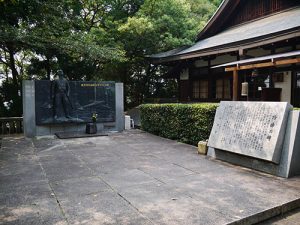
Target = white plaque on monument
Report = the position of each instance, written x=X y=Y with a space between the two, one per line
x=254 y=129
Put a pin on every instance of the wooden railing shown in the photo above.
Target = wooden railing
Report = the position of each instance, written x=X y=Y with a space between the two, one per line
x=11 y=125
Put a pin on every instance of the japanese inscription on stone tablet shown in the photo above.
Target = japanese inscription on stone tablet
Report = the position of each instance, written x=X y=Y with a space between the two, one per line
x=253 y=129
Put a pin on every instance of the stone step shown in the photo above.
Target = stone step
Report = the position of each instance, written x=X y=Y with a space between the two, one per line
x=268 y=214
x=291 y=218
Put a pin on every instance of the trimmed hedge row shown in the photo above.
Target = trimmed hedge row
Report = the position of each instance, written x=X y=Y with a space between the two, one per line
x=188 y=123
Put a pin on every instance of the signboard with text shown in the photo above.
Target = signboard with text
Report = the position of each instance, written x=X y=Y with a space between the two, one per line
x=254 y=129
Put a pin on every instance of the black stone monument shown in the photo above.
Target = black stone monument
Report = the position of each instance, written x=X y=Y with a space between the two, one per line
x=61 y=101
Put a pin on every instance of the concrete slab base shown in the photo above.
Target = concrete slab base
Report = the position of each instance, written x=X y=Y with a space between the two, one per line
x=132 y=178
x=70 y=135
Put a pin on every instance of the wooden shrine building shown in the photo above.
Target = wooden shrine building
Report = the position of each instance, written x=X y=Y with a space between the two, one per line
x=252 y=44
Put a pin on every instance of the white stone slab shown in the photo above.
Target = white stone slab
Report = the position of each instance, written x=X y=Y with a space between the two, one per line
x=254 y=129
x=28 y=96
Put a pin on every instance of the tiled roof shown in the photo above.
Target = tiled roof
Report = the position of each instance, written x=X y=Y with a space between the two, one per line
x=169 y=53
x=271 y=25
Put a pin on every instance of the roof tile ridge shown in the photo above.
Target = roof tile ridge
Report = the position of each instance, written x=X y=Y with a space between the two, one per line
x=258 y=19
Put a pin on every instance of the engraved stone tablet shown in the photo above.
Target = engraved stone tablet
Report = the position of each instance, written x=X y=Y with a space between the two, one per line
x=253 y=129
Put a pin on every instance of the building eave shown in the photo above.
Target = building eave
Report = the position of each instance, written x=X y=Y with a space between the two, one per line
x=235 y=47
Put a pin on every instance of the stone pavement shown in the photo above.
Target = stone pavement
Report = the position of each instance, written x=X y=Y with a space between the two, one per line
x=131 y=178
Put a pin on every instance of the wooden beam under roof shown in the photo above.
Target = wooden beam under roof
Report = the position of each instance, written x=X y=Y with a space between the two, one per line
x=263 y=65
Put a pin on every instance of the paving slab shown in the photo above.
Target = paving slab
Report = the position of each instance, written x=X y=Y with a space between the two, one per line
x=127 y=178
x=132 y=178
x=31 y=203
x=101 y=208
x=80 y=187
x=20 y=167
x=9 y=181
x=43 y=211
x=24 y=194
x=62 y=170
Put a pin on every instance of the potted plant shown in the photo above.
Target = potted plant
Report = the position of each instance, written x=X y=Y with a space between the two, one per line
x=91 y=128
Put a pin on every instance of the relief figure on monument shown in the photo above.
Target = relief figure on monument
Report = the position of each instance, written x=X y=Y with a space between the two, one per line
x=61 y=98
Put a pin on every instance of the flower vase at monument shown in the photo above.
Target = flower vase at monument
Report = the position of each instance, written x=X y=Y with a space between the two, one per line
x=91 y=128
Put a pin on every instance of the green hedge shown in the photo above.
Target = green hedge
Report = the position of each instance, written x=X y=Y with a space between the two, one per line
x=296 y=108
x=188 y=123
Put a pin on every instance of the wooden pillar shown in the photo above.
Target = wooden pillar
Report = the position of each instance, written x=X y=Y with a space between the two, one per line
x=271 y=70
x=235 y=85
x=210 y=80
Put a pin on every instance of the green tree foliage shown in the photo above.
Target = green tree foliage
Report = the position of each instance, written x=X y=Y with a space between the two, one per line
x=159 y=25
x=94 y=40
x=57 y=36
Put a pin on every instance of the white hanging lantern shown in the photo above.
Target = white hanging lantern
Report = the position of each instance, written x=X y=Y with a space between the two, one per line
x=245 y=89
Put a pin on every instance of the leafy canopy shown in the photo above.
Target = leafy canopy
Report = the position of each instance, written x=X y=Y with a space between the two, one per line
x=95 y=39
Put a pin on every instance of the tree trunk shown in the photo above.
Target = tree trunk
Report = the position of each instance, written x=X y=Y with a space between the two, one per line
x=147 y=80
x=12 y=63
x=124 y=79
x=48 y=68
x=6 y=72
